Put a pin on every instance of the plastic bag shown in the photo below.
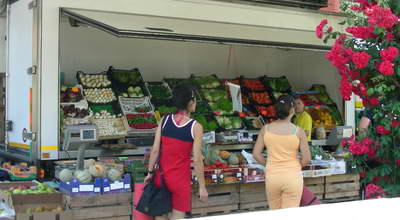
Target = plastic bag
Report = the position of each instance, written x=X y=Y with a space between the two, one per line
x=6 y=212
x=252 y=163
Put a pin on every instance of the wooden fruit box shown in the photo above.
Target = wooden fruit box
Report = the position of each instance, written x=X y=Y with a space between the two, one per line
x=103 y=206
x=222 y=198
x=344 y=186
x=316 y=185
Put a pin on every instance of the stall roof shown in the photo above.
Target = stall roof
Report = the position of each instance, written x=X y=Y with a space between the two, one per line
x=144 y=26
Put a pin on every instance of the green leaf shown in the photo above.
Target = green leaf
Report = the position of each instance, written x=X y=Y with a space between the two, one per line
x=370 y=91
x=342 y=23
x=398 y=70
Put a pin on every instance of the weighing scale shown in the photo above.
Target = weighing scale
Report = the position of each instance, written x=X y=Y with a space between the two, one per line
x=79 y=137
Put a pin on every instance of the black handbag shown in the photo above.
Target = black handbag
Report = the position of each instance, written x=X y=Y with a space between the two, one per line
x=156 y=201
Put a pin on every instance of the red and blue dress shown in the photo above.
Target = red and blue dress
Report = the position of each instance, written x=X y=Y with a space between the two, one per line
x=176 y=146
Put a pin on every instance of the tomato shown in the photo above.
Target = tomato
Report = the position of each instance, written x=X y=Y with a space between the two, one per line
x=242 y=114
x=253 y=84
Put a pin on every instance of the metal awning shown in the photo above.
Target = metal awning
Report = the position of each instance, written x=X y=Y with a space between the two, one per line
x=153 y=27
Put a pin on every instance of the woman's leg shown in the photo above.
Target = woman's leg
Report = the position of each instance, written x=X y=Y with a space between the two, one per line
x=273 y=190
x=176 y=215
x=292 y=190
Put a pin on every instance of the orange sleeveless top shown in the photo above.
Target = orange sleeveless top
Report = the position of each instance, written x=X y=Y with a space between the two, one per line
x=282 y=152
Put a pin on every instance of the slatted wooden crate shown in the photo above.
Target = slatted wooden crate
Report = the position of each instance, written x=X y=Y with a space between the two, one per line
x=345 y=187
x=316 y=185
x=113 y=206
x=252 y=196
x=223 y=198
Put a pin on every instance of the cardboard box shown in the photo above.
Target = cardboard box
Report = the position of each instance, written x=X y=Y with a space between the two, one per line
x=74 y=187
x=118 y=186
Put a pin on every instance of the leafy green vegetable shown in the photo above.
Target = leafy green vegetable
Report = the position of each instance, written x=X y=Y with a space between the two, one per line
x=129 y=77
x=278 y=84
x=223 y=106
x=207 y=124
x=141 y=120
x=213 y=95
x=201 y=108
x=229 y=122
x=159 y=91
x=166 y=109
x=318 y=151
x=208 y=82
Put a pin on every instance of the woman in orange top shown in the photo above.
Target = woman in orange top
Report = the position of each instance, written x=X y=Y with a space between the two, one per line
x=283 y=140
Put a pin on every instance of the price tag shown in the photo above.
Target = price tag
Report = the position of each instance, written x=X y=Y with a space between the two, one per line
x=97 y=189
x=86 y=188
x=106 y=189
x=117 y=185
x=75 y=190
x=127 y=186
x=347 y=133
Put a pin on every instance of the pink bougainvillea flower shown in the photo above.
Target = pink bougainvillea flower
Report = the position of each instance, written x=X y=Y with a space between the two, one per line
x=345 y=88
x=360 y=59
x=356 y=8
x=357 y=148
x=330 y=29
x=374 y=101
x=339 y=56
x=376 y=179
x=371 y=153
x=395 y=123
x=389 y=36
x=374 y=191
x=386 y=68
x=361 y=32
x=380 y=129
x=319 y=30
x=381 y=17
x=389 y=54
x=367 y=141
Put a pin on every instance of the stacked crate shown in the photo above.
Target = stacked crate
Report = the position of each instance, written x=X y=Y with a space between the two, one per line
x=342 y=188
x=112 y=206
x=222 y=198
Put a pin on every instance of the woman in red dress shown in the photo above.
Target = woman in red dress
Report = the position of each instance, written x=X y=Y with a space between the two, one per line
x=180 y=137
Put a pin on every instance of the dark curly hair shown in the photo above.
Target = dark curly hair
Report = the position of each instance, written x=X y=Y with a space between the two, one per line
x=283 y=106
x=183 y=94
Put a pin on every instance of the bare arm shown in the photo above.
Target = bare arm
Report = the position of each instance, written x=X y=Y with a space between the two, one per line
x=155 y=150
x=259 y=148
x=198 y=161
x=304 y=148
x=197 y=155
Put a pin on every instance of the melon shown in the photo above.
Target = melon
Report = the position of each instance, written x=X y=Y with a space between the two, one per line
x=224 y=155
x=89 y=163
x=66 y=175
x=233 y=159
x=83 y=176
x=114 y=174
x=97 y=171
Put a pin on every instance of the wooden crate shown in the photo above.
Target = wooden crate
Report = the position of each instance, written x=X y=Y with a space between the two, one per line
x=253 y=196
x=128 y=217
x=316 y=185
x=113 y=206
x=344 y=187
x=222 y=199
